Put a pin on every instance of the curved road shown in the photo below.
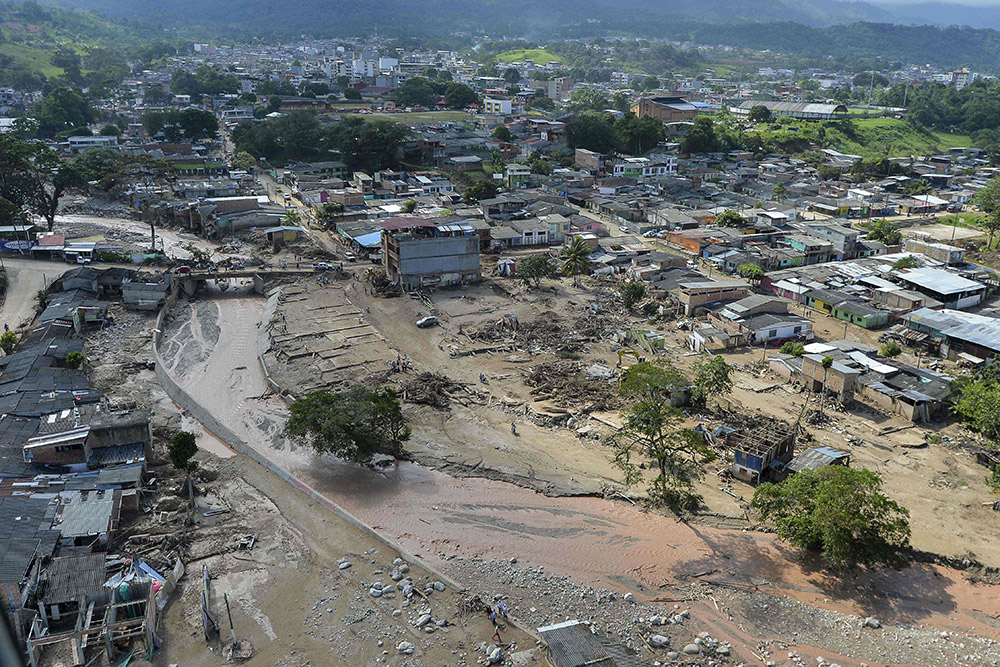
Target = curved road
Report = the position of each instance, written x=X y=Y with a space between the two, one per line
x=25 y=277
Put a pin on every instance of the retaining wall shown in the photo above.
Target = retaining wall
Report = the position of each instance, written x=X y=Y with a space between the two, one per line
x=188 y=403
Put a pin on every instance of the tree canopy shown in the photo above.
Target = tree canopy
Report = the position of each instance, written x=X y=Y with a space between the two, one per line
x=354 y=425
x=839 y=512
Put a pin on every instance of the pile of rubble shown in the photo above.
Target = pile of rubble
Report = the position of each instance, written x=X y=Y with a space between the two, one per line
x=547 y=331
x=570 y=384
x=436 y=390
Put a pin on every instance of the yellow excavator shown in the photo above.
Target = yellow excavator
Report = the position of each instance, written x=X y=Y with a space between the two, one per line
x=629 y=353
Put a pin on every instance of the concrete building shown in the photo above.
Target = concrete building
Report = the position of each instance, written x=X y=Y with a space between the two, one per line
x=427 y=253
x=942 y=252
x=952 y=290
x=666 y=109
x=496 y=107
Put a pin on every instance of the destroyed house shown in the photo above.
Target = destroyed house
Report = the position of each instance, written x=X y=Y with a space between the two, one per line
x=26 y=537
x=574 y=644
x=818 y=457
x=761 y=450
x=87 y=437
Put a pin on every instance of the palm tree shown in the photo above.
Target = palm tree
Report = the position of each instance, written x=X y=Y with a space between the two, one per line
x=575 y=257
x=826 y=364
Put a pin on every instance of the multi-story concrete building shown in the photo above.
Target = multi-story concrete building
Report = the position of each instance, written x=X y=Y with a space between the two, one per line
x=427 y=253
x=667 y=109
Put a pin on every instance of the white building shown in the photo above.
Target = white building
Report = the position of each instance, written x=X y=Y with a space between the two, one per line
x=497 y=107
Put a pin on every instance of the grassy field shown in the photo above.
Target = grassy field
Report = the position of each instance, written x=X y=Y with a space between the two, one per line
x=538 y=56
x=414 y=116
x=901 y=138
x=869 y=137
x=34 y=58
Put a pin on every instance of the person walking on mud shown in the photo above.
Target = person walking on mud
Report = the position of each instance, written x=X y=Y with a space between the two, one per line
x=513 y=428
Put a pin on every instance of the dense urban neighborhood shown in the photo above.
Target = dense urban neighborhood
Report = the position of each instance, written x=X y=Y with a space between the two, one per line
x=494 y=351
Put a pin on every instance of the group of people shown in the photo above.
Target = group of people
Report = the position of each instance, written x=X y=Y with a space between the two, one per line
x=401 y=365
x=495 y=615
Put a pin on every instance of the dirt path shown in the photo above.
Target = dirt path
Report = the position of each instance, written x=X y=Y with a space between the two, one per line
x=25 y=277
x=593 y=540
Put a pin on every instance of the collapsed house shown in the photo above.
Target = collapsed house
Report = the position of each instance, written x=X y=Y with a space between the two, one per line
x=918 y=394
x=761 y=450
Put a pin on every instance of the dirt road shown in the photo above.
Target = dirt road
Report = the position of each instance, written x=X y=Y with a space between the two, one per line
x=590 y=539
x=25 y=277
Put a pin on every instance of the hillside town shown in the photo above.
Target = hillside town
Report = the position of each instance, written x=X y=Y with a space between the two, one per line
x=345 y=352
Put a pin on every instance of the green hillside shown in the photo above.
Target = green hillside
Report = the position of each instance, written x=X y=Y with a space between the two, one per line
x=537 y=56
x=869 y=137
x=31 y=36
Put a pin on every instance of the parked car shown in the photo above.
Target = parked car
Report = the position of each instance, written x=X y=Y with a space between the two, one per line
x=350 y=256
x=183 y=269
x=323 y=266
x=425 y=322
x=624 y=229
x=80 y=259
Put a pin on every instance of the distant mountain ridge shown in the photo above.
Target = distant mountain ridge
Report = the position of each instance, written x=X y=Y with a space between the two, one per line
x=520 y=17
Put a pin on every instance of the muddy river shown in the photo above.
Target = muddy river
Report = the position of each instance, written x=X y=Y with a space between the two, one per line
x=211 y=349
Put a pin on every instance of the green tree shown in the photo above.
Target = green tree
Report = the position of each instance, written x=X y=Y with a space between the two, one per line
x=712 y=378
x=502 y=132
x=827 y=364
x=631 y=294
x=620 y=101
x=409 y=206
x=73 y=359
x=182 y=448
x=483 y=189
x=8 y=342
x=592 y=131
x=839 y=512
x=987 y=198
x=793 y=348
x=730 y=218
x=459 y=96
x=908 y=262
x=882 y=230
x=273 y=104
x=759 y=114
x=587 y=99
x=63 y=109
x=511 y=75
x=750 y=272
x=977 y=400
x=651 y=429
x=244 y=161
x=638 y=135
x=416 y=91
x=890 y=350
x=534 y=268
x=701 y=138
x=575 y=258
x=330 y=212
x=354 y=425
x=779 y=191
x=352 y=94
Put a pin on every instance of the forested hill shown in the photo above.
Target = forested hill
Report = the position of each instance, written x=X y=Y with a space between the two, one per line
x=536 y=19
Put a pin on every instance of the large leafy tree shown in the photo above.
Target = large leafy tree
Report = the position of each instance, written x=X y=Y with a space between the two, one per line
x=882 y=230
x=713 y=377
x=536 y=267
x=988 y=201
x=702 y=137
x=417 y=91
x=977 y=400
x=839 y=512
x=63 y=109
x=354 y=425
x=638 y=135
x=730 y=218
x=459 y=96
x=593 y=131
x=652 y=430
x=32 y=180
